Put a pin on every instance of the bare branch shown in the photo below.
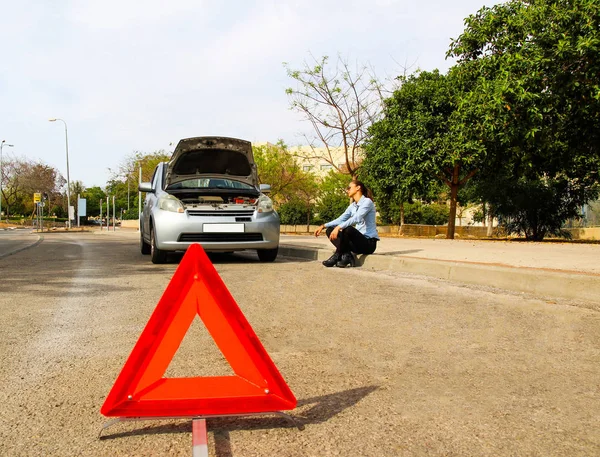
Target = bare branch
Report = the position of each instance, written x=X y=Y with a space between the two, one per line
x=340 y=102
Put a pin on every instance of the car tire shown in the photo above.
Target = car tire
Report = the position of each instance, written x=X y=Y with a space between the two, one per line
x=145 y=248
x=157 y=255
x=267 y=255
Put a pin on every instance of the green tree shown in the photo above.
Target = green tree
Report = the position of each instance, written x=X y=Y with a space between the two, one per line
x=279 y=168
x=13 y=192
x=532 y=207
x=129 y=167
x=124 y=180
x=332 y=200
x=290 y=185
x=93 y=195
x=23 y=178
x=118 y=189
x=539 y=63
x=430 y=132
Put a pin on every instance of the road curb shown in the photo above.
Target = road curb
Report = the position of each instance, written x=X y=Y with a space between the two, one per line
x=34 y=244
x=539 y=282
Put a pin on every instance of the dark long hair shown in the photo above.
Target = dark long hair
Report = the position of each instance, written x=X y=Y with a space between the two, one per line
x=364 y=189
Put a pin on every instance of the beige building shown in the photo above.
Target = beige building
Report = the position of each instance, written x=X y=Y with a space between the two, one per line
x=320 y=160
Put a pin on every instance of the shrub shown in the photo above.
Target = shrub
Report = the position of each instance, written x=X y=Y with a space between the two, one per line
x=435 y=214
x=537 y=208
x=131 y=214
x=414 y=213
x=330 y=207
x=295 y=212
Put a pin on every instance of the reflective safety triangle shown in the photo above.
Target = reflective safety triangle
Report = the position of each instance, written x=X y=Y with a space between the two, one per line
x=197 y=289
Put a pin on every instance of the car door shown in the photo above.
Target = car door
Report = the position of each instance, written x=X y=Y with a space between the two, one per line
x=150 y=202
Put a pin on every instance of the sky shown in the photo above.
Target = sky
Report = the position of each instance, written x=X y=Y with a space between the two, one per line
x=130 y=76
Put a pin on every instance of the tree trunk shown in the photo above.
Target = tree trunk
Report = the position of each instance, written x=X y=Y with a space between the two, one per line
x=490 y=227
x=484 y=214
x=308 y=219
x=401 y=214
x=454 y=185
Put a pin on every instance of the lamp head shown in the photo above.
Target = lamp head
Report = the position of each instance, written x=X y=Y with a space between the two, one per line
x=52 y=120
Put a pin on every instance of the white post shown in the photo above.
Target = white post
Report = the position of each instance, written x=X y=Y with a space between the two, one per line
x=2 y=144
x=68 y=180
x=140 y=201
x=77 y=210
x=114 y=226
x=107 y=214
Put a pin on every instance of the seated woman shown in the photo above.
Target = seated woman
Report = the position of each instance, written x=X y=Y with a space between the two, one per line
x=355 y=230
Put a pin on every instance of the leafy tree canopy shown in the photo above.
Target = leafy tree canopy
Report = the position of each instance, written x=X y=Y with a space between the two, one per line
x=22 y=178
x=278 y=168
x=333 y=199
x=429 y=134
x=540 y=61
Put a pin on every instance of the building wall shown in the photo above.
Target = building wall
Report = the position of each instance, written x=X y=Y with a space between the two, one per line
x=319 y=160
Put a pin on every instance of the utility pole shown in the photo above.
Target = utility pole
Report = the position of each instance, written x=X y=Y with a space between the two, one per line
x=2 y=144
x=68 y=180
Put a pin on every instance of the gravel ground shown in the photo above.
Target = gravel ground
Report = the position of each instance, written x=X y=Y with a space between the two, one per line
x=382 y=364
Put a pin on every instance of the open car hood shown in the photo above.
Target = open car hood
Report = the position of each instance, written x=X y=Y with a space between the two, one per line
x=212 y=156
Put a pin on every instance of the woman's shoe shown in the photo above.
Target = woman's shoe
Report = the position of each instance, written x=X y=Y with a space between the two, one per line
x=331 y=261
x=345 y=260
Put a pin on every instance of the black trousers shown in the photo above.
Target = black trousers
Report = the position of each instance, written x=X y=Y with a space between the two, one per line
x=351 y=240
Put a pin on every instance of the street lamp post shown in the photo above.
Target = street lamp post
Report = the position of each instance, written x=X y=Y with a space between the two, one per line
x=2 y=144
x=68 y=180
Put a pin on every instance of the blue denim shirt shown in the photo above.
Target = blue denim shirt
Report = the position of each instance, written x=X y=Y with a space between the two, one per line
x=361 y=215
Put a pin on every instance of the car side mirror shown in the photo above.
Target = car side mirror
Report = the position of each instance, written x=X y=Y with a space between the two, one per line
x=265 y=188
x=145 y=187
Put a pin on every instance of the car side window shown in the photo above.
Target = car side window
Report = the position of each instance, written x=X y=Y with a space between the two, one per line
x=155 y=179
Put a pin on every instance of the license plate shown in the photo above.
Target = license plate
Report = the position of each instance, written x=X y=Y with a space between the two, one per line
x=223 y=228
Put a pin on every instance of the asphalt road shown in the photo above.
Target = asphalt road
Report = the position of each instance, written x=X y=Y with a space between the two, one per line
x=14 y=241
x=382 y=364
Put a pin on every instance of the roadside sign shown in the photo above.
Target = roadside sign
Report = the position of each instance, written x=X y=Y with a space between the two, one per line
x=37 y=197
x=81 y=207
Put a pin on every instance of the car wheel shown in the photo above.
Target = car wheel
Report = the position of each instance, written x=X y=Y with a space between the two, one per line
x=145 y=248
x=267 y=255
x=158 y=255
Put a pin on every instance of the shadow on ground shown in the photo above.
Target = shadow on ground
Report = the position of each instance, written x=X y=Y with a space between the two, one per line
x=320 y=409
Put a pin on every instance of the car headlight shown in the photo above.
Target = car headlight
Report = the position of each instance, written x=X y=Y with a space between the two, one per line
x=170 y=203
x=265 y=204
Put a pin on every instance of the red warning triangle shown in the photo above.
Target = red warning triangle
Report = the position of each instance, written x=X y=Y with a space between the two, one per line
x=197 y=289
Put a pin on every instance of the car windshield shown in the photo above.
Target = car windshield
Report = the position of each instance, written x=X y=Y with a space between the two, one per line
x=210 y=183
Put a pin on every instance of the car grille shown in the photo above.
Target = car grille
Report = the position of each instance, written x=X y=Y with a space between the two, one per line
x=204 y=213
x=239 y=215
x=220 y=237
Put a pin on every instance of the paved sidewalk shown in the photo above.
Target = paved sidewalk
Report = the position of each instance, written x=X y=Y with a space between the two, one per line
x=566 y=270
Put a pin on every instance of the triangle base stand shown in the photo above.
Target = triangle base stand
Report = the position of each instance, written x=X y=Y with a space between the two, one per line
x=117 y=420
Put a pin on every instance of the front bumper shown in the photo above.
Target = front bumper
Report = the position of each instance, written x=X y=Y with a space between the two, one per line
x=177 y=231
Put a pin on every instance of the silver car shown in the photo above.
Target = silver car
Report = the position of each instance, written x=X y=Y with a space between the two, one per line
x=208 y=193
